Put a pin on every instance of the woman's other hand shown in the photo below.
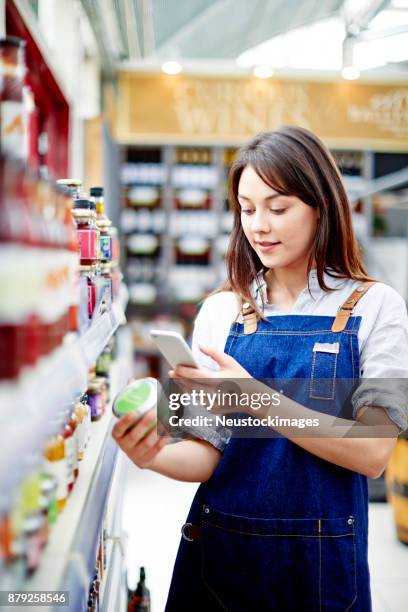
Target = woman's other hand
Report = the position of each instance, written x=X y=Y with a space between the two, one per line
x=130 y=437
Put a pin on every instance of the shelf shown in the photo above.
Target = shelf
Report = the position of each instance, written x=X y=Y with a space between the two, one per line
x=32 y=406
x=69 y=559
x=31 y=24
x=113 y=594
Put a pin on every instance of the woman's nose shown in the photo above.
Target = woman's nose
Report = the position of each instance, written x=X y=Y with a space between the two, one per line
x=260 y=222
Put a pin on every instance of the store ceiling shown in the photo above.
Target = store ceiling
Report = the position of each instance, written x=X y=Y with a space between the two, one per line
x=139 y=33
x=197 y=29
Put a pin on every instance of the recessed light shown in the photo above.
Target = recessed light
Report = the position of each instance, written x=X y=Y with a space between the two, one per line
x=350 y=73
x=171 y=67
x=263 y=72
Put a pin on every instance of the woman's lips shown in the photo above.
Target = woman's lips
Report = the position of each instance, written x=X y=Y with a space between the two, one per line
x=267 y=247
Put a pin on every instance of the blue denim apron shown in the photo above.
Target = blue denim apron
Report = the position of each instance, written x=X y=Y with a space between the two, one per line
x=280 y=529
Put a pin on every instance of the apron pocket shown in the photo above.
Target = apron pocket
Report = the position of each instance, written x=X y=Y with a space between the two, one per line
x=323 y=375
x=277 y=564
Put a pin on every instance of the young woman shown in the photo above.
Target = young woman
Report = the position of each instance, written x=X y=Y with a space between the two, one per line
x=280 y=523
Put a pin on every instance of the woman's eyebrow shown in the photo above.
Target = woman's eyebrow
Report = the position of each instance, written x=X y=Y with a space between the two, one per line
x=268 y=198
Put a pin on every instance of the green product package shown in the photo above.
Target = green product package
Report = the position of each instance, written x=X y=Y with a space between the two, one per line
x=138 y=397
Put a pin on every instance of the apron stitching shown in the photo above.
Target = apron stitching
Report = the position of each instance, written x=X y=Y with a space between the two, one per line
x=291 y=333
x=355 y=574
x=320 y=564
x=206 y=583
x=352 y=355
x=311 y=375
x=232 y=342
x=333 y=376
x=278 y=535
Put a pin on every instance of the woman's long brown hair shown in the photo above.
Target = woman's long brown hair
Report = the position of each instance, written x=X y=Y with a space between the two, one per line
x=294 y=162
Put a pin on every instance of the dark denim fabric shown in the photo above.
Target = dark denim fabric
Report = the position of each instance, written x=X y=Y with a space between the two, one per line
x=282 y=530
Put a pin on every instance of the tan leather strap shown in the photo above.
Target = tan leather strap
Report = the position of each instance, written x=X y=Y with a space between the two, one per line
x=250 y=319
x=346 y=309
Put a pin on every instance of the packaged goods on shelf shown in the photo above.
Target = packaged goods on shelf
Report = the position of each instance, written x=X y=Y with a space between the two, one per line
x=38 y=271
x=180 y=230
x=54 y=328
x=27 y=518
x=14 y=99
x=139 y=598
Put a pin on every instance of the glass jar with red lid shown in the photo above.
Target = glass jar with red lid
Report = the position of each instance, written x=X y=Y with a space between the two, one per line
x=88 y=275
x=84 y=213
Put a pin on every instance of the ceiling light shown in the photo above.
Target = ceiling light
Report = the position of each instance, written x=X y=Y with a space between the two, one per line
x=350 y=73
x=171 y=67
x=263 y=72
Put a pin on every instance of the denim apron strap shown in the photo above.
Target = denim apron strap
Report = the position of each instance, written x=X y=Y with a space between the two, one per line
x=347 y=308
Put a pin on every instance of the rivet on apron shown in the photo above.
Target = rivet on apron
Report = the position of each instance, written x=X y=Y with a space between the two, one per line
x=350 y=521
x=206 y=509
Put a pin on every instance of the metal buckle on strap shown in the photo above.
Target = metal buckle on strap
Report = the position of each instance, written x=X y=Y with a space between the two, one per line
x=191 y=533
x=183 y=532
x=345 y=310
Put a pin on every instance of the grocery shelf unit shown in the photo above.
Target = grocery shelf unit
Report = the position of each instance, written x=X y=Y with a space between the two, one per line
x=174 y=204
x=69 y=558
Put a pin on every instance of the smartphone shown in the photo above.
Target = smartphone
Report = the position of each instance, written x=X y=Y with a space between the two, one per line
x=173 y=347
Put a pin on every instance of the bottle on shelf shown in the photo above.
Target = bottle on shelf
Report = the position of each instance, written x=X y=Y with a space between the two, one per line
x=73 y=184
x=81 y=412
x=84 y=213
x=56 y=466
x=139 y=599
x=95 y=399
x=70 y=451
x=73 y=423
x=103 y=223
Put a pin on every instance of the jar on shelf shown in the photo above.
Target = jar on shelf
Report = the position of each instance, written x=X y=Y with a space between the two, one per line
x=32 y=530
x=115 y=243
x=88 y=274
x=44 y=532
x=104 y=362
x=84 y=213
x=56 y=466
x=73 y=184
x=48 y=487
x=70 y=451
x=66 y=197
x=106 y=274
x=73 y=423
x=102 y=381
x=80 y=410
x=95 y=399
x=105 y=239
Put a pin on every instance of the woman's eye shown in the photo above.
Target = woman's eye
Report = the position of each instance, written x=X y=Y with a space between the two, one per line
x=278 y=211
x=246 y=211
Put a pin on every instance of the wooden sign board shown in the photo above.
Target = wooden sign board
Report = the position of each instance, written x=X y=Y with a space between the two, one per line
x=160 y=109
